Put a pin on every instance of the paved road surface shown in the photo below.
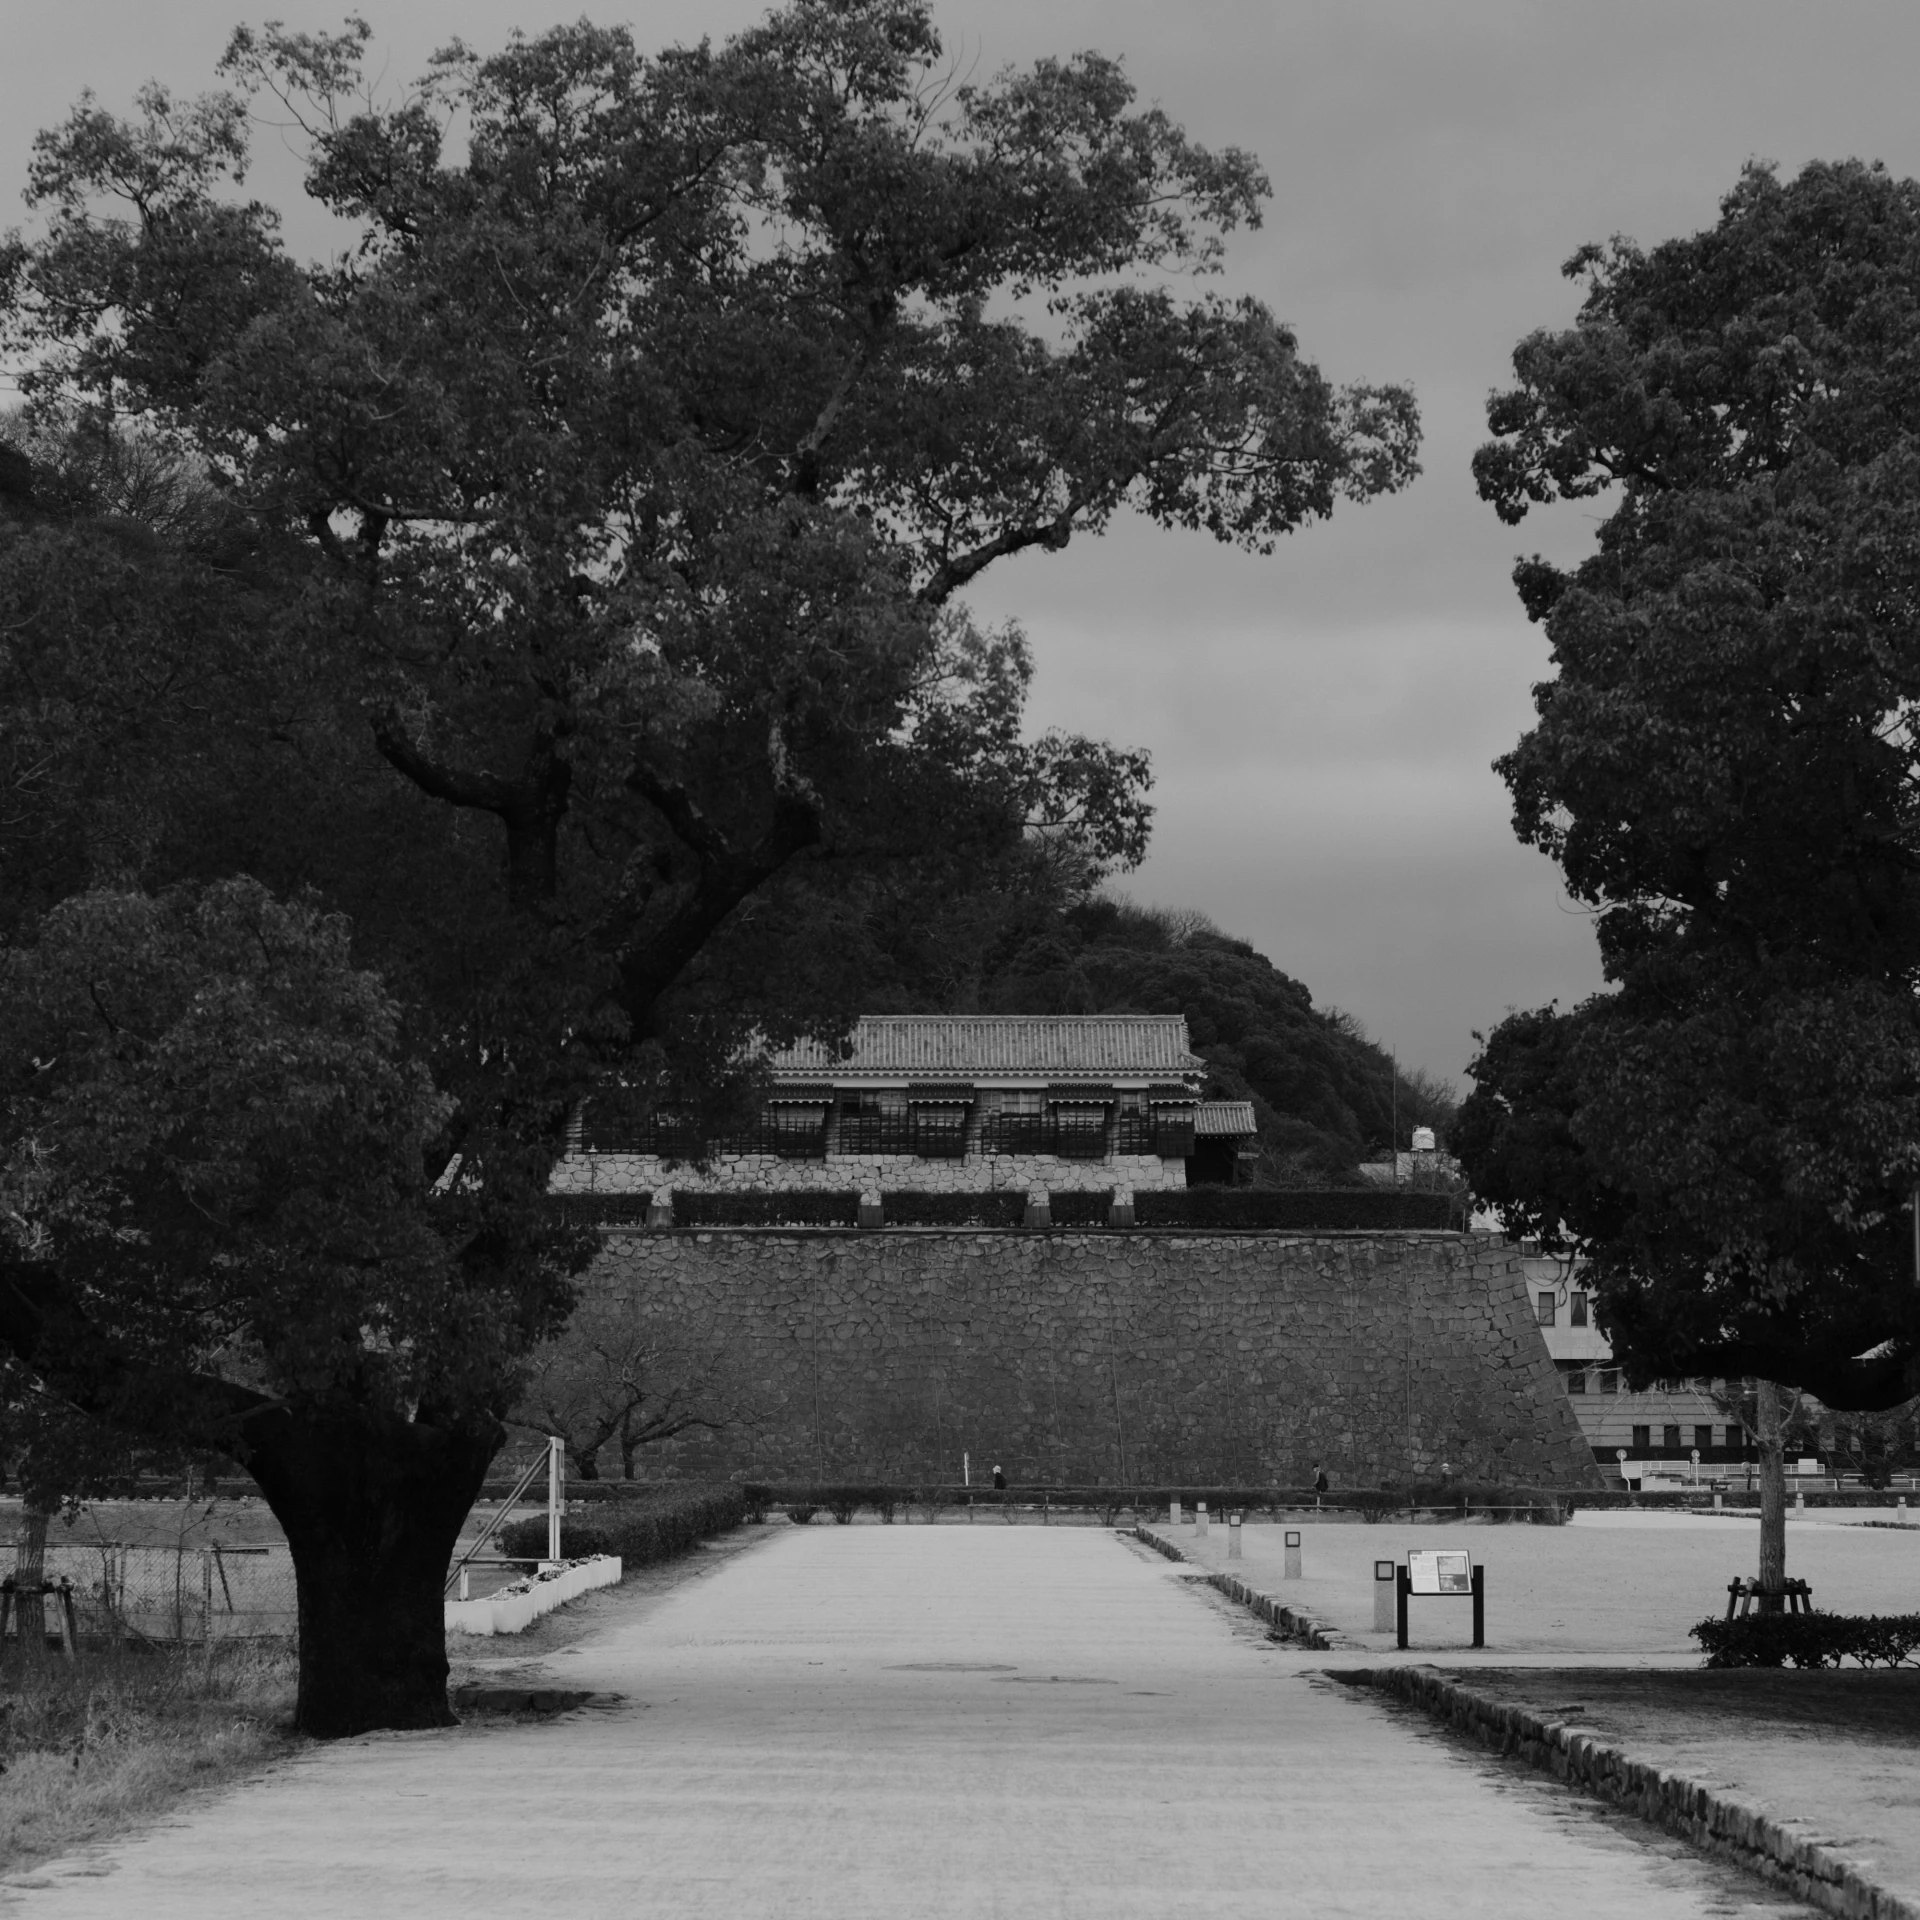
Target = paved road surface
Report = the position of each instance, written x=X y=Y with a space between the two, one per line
x=886 y=1723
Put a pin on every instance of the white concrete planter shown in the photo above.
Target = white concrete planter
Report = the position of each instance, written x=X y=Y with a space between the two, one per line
x=515 y=1608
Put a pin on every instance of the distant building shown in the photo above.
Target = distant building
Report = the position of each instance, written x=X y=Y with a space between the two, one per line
x=1423 y=1165
x=1665 y=1424
x=953 y=1103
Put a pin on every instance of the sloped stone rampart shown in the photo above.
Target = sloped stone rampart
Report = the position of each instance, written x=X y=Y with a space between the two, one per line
x=1082 y=1357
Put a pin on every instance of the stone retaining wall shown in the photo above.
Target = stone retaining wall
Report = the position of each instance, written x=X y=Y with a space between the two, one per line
x=1089 y=1357
x=1709 y=1818
x=840 y=1172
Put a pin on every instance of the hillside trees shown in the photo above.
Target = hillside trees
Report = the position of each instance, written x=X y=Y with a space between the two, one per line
x=1324 y=1095
x=576 y=618
x=1724 y=768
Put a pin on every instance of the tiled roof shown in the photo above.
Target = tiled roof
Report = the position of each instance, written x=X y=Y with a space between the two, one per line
x=929 y=1046
x=1224 y=1116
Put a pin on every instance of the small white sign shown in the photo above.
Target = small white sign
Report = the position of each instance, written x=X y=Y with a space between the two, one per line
x=1439 y=1573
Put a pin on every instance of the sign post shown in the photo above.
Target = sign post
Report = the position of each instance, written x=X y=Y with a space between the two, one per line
x=1233 y=1536
x=1200 y=1518
x=1439 y=1575
x=1293 y=1553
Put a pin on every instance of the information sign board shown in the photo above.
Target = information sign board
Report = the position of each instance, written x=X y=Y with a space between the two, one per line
x=1439 y=1573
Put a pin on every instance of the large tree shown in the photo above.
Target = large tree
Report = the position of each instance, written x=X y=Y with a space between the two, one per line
x=1725 y=770
x=577 y=614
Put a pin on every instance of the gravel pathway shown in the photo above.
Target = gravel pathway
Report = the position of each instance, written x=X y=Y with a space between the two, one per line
x=883 y=1723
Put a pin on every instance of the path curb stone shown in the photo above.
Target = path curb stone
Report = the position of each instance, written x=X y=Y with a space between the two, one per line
x=1726 y=1827
x=1289 y=1620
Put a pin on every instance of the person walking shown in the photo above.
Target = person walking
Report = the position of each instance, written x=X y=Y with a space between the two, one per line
x=1320 y=1482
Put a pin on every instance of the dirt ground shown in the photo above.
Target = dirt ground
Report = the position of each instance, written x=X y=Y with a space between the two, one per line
x=1837 y=1751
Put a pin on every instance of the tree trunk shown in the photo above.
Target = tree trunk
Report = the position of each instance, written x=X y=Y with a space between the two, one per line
x=1773 y=1495
x=372 y=1508
x=30 y=1570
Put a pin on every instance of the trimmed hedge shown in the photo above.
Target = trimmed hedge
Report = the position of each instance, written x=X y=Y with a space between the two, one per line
x=766 y=1209
x=602 y=1209
x=1358 y=1209
x=953 y=1209
x=1810 y=1639
x=1080 y=1209
x=1539 y=1505
x=642 y=1532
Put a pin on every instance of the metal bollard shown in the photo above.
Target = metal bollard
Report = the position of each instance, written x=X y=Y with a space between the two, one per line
x=1200 y=1518
x=1233 y=1536
x=1293 y=1553
x=1383 y=1596
x=1173 y=1513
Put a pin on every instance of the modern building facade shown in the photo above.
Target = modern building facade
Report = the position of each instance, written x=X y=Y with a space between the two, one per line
x=1666 y=1424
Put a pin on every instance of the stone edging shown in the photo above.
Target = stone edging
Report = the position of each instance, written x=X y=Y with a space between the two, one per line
x=1719 y=1825
x=1289 y=1620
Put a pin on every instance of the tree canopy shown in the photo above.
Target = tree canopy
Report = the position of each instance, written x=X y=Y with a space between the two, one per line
x=1725 y=768
x=540 y=623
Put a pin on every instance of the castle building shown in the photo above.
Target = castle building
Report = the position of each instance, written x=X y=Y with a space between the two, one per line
x=968 y=1103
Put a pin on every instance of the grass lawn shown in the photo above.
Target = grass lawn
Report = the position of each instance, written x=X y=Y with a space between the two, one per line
x=116 y=1737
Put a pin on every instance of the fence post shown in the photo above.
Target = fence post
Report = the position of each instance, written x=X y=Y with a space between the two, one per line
x=555 y=1455
x=206 y=1605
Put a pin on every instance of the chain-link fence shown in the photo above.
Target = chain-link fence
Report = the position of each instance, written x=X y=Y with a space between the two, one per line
x=161 y=1593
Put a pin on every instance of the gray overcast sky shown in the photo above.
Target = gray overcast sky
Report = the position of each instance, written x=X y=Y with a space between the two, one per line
x=1321 y=721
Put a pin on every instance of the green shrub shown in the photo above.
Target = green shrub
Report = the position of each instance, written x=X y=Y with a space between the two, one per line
x=766 y=1209
x=953 y=1209
x=602 y=1209
x=1340 y=1209
x=643 y=1530
x=1809 y=1639
x=801 y=1513
x=1079 y=1209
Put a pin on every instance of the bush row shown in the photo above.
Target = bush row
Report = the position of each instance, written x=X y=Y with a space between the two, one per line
x=641 y=1531
x=766 y=1209
x=1359 y=1209
x=956 y=1209
x=885 y=1499
x=1810 y=1639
